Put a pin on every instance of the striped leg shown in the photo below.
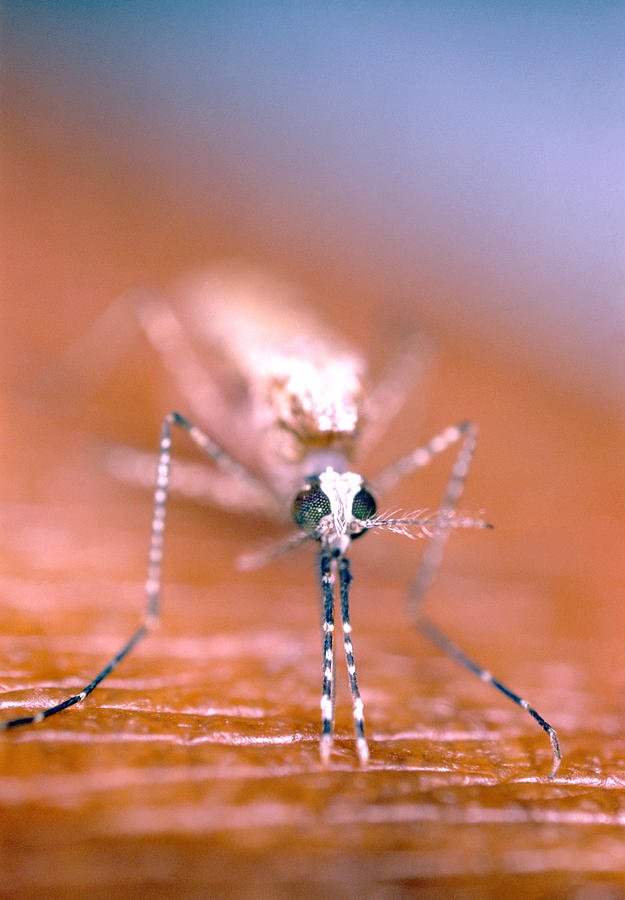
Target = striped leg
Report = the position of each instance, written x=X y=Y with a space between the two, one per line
x=345 y=578
x=408 y=367
x=422 y=456
x=168 y=337
x=466 y=432
x=431 y=560
x=433 y=554
x=76 y=698
x=194 y=480
x=97 y=351
x=440 y=640
x=327 y=624
x=155 y=560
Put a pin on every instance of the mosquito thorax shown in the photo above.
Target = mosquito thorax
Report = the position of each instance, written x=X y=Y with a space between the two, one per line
x=334 y=507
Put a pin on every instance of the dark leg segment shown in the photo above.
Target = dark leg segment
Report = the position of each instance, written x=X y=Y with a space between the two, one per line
x=327 y=624
x=155 y=560
x=345 y=578
x=430 y=564
x=440 y=640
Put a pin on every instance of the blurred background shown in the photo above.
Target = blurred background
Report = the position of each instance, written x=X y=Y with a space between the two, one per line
x=464 y=160
x=456 y=167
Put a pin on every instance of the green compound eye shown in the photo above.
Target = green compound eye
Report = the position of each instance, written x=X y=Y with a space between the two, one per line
x=363 y=505
x=309 y=508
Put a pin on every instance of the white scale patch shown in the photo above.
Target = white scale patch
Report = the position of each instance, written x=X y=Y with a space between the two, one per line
x=340 y=489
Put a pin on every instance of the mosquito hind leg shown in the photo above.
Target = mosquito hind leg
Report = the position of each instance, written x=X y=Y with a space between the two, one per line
x=151 y=612
x=408 y=367
x=193 y=480
x=431 y=560
x=437 y=637
x=169 y=337
x=152 y=586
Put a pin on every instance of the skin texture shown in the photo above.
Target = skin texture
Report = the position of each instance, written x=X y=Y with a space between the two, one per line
x=195 y=768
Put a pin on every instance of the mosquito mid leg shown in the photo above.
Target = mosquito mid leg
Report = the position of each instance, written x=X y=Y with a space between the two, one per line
x=345 y=577
x=327 y=624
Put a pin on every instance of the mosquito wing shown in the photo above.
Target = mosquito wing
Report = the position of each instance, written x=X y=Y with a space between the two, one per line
x=289 y=385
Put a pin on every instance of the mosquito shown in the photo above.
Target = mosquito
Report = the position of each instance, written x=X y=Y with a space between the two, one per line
x=286 y=412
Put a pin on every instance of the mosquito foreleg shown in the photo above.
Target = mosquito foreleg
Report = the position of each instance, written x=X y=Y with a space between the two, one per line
x=326 y=572
x=345 y=578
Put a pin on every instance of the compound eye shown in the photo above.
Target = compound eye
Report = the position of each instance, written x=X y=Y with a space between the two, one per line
x=309 y=508
x=363 y=505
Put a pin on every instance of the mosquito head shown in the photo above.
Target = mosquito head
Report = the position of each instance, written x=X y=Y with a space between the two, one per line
x=333 y=507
